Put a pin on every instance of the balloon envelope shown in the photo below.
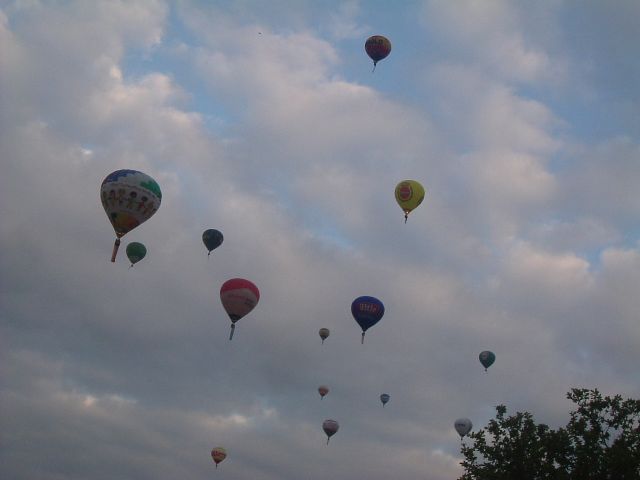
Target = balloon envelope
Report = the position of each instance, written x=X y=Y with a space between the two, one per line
x=377 y=47
x=135 y=252
x=487 y=358
x=323 y=390
x=330 y=427
x=367 y=311
x=218 y=454
x=129 y=198
x=409 y=194
x=463 y=426
x=212 y=239
x=324 y=333
x=239 y=297
x=384 y=398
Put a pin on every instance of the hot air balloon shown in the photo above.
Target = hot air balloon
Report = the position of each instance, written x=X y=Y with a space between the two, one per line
x=136 y=252
x=239 y=297
x=409 y=194
x=129 y=198
x=463 y=426
x=218 y=454
x=487 y=358
x=324 y=333
x=330 y=427
x=212 y=239
x=384 y=398
x=377 y=47
x=367 y=311
x=323 y=390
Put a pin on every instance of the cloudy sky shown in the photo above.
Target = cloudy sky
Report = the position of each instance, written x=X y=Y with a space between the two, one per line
x=264 y=120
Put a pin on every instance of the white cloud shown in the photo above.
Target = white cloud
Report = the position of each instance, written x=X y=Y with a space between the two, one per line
x=343 y=23
x=134 y=367
x=491 y=36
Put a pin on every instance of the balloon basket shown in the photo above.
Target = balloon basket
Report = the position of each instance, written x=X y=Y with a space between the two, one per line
x=233 y=329
x=116 y=244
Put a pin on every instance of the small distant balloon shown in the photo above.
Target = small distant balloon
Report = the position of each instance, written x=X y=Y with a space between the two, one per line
x=218 y=454
x=239 y=297
x=323 y=390
x=463 y=426
x=324 y=333
x=330 y=427
x=384 y=398
x=409 y=194
x=378 y=48
x=212 y=239
x=129 y=198
x=367 y=311
x=135 y=252
x=487 y=358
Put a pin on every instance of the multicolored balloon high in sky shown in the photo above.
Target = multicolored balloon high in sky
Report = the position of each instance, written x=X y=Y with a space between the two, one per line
x=384 y=398
x=239 y=297
x=409 y=194
x=218 y=454
x=367 y=311
x=129 y=198
x=378 y=48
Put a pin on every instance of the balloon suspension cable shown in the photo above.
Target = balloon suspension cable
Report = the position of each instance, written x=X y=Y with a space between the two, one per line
x=383 y=405
x=115 y=250
x=323 y=341
x=486 y=371
x=406 y=215
x=130 y=267
x=362 y=340
x=233 y=328
x=209 y=254
x=216 y=465
x=374 y=67
x=328 y=440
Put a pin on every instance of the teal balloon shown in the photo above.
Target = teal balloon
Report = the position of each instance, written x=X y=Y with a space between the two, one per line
x=487 y=358
x=136 y=252
x=212 y=239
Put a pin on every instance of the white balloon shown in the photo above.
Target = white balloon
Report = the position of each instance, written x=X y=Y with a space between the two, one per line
x=463 y=426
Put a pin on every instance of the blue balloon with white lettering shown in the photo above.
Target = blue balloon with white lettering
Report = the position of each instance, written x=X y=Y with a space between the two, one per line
x=367 y=311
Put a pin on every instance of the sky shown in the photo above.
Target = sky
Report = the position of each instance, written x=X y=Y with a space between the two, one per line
x=264 y=120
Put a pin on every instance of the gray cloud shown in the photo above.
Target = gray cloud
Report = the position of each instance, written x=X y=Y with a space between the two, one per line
x=109 y=372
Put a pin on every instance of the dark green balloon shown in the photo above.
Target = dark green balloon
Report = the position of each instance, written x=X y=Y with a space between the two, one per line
x=212 y=239
x=136 y=252
x=487 y=358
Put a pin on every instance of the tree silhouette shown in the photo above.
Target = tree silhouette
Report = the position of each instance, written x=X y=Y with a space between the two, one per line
x=600 y=442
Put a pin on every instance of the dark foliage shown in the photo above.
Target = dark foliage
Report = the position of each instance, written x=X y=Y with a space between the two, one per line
x=600 y=442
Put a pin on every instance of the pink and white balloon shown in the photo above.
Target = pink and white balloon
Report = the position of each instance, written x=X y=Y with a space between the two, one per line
x=239 y=297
